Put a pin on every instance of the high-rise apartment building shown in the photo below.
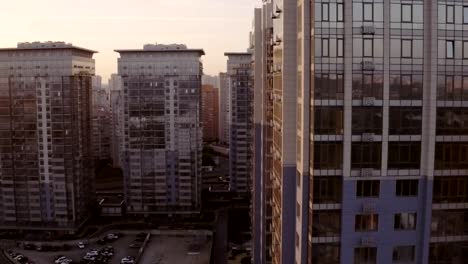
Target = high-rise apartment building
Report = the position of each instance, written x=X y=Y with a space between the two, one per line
x=162 y=132
x=224 y=106
x=116 y=108
x=378 y=115
x=240 y=78
x=46 y=171
x=210 y=112
x=261 y=44
x=101 y=121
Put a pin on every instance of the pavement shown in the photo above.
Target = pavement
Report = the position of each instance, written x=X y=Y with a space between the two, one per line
x=177 y=250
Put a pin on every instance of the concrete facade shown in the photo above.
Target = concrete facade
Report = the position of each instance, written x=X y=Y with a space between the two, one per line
x=46 y=166
x=162 y=129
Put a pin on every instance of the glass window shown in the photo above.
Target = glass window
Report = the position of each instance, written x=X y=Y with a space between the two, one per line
x=367 y=188
x=407 y=187
x=406 y=13
x=328 y=155
x=366 y=155
x=339 y=46
x=325 y=12
x=450 y=189
x=450 y=17
x=367 y=120
x=405 y=120
x=368 y=47
x=404 y=155
x=405 y=221
x=326 y=223
x=368 y=11
x=365 y=255
x=403 y=254
x=325 y=45
x=327 y=189
x=452 y=121
x=451 y=156
x=465 y=15
x=450 y=44
x=465 y=49
x=449 y=223
x=366 y=222
x=328 y=120
x=339 y=12
x=406 y=48
x=328 y=253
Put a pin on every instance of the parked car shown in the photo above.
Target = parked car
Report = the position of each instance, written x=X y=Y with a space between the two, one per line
x=81 y=245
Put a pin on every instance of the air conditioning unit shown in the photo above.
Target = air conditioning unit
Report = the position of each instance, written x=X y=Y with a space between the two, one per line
x=368 y=101
x=368 y=30
x=367 y=137
x=368 y=65
x=367 y=172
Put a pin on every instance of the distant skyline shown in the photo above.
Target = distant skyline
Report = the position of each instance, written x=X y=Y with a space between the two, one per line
x=216 y=26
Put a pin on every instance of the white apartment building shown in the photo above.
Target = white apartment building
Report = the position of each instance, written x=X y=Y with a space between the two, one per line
x=162 y=141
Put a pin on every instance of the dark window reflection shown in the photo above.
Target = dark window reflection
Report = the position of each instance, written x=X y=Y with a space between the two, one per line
x=451 y=155
x=404 y=155
x=366 y=155
x=452 y=121
x=327 y=189
x=326 y=223
x=367 y=85
x=328 y=155
x=405 y=120
x=367 y=120
x=328 y=120
x=450 y=189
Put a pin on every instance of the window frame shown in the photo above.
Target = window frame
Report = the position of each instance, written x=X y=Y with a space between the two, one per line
x=410 y=46
x=364 y=4
x=366 y=222
x=374 y=191
x=339 y=12
x=395 y=254
x=397 y=226
x=452 y=43
x=400 y=192
x=371 y=40
x=447 y=14
x=327 y=13
x=465 y=14
x=411 y=13
x=327 y=55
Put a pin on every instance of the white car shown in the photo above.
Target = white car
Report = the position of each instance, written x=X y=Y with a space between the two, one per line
x=127 y=260
x=81 y=245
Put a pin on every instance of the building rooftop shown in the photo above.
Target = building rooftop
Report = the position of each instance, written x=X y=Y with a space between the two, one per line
x=180 y=248
x=237 y=53
x=162 y=48
x=48 y=45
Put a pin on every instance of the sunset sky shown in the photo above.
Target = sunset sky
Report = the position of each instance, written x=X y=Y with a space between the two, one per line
x=216 y=26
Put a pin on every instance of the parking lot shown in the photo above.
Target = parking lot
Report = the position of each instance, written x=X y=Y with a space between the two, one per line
x=121 y=249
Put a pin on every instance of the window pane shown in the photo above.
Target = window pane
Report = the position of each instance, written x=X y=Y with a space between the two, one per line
x=325 y=12
x=449 y=14
x=465 y=49
x=339 y=11
x=325 y=48
x=406 y=48
x=368 y=47
x=368 y=12
x=406 y=11
x=449 y=47
x=465 y=15
x=339 y=45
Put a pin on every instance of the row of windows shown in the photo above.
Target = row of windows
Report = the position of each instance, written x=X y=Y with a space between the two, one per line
x=368 y=255
x=370 y=222
x=371 y=188
x=402 y=155
x=330 y=254
x=450 y=189
x=451 y=14
x=451 y=87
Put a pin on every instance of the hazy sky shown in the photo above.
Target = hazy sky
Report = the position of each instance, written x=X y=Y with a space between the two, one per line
x=104 y=25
